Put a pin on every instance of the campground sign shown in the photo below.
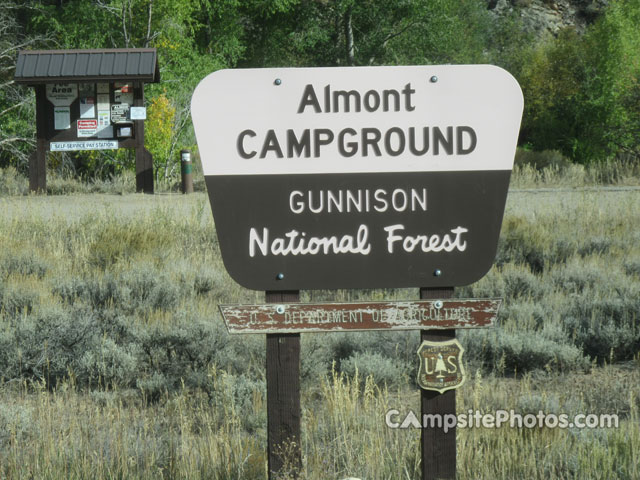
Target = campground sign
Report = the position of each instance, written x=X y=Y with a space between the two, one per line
x=368 y=177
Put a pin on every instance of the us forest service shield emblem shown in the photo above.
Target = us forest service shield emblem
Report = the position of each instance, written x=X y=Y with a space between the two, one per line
x=441 y=367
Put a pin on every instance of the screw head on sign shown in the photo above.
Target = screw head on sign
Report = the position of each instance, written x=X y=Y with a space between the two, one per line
x=438 y=304
x=280 y=276
x=433 y=79
x=280 y=309
x=277 y=81
x=437 y=272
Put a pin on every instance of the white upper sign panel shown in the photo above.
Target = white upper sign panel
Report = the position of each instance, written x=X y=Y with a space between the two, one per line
x=62 y=94
x=357 y=120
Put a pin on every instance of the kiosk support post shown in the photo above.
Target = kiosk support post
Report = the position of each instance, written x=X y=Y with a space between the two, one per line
x=144 y=159
x=38 y=159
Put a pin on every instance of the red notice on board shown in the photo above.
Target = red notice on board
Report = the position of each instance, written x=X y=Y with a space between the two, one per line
x=87 y=128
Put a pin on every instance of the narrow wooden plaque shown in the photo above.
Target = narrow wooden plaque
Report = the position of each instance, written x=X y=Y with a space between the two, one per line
x=326 y=317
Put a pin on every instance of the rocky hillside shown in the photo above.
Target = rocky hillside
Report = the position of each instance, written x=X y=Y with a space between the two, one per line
x=549 y=16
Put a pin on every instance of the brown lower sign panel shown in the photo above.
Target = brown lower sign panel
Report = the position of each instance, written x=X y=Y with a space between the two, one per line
x=334 y=317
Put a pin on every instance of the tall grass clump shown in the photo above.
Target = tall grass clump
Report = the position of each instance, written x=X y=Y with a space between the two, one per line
x=550 y=169
x=12 y=183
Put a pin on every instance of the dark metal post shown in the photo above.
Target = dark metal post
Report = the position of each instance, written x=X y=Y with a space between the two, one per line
x=283 y=397
x=438 y=448
x=186 y=167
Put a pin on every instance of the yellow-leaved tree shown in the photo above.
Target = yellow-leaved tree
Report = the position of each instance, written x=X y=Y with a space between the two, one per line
x=160 y=137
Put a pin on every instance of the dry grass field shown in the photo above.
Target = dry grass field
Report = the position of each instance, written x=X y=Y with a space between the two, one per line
x=114 y=363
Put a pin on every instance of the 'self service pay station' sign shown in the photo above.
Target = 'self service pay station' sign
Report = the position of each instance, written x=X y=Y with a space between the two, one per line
x=368 y=177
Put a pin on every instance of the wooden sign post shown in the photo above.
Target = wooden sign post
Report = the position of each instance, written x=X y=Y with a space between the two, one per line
x=283 y=396
x=357 y=178
x=438 y=447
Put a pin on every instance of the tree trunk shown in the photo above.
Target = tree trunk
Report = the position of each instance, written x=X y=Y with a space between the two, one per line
x=124 y=26
x=148 y=39
x=348 y=37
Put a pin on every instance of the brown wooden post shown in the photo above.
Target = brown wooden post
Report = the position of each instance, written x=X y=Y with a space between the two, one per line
x=38 y=159
x=438 y=448
x=283 y=396
x=144 y=159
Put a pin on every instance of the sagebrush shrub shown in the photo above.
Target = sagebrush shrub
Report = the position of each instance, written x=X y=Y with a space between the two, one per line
x=510 y=352
x=604 y=327
x=15 y=301
x=519 y=283
x=595 y=245
x=632 y=268
x=522 y=242
x=139 y=291
x=384 y=370
x=576 y=276
x=23 y=265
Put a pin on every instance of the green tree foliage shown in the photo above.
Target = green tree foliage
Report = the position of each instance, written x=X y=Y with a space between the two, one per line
x=369 y=32
x=16 y=105
x=582 y=93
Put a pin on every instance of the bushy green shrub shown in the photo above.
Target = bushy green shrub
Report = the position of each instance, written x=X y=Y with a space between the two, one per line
x=561 y=250
x=605 y=327
x=510 y=352
x=150 y=289
x=522 y=242
x=16 y=424
x=384 y=370
x=21 y=264
x=234 y=396
x=520 y=283
x=154 y=386
x=511 y=282
x=532 y=403
x=115 y=241
x=44 y=346
x=16 y=301
x=98 y=293
x=632 y=267
x=576 y=276
x=594 y=246
x=210 y=281
x=139 y=291
x=104 y=348
x=527 y=314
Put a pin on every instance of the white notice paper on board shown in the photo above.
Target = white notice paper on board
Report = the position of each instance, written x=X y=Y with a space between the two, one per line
x=61 y=118
x=103 y=102
x=138 y=113
x=103 y=118
x=87 y=107
x=105 y=130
